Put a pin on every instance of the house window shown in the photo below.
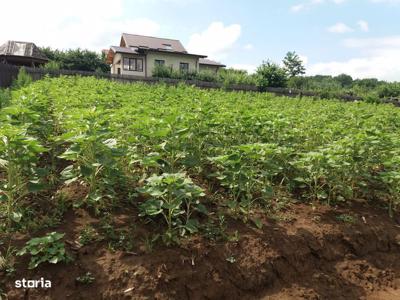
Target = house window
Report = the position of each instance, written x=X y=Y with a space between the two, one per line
x=167 y=46
x=133 y=64
x=184 y=67
x=159 y=62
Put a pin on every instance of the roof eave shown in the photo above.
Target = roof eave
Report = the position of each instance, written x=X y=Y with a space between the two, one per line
x=172 y=52
x=38 y=59
x=214 y=65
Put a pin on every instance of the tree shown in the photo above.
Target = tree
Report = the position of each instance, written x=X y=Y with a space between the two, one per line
x=270 y=74
x=293 y=64
x=77 y=59
x=344 y=80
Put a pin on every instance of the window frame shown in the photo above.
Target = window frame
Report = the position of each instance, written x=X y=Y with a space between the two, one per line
x=159 y=62
x=132 y=61
x=184 y=69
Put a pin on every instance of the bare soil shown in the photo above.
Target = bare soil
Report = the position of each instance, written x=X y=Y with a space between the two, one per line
x=305 y=253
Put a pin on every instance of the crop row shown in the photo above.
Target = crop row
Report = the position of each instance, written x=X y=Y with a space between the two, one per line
x=165 y=148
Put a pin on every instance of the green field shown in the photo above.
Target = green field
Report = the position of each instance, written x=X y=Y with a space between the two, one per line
x=162 y=149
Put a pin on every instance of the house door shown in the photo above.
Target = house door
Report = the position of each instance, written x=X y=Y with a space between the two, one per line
x=119 y=71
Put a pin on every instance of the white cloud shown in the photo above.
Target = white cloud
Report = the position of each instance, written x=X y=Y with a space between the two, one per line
x=304 y=59
x=247 y=67
x=388 y=42
x=298 y=7
x=215 y=41
x=363 y=25
x=94 y=25
x=248 y=47
x=386 y=1
x=340 y=28
x=378 y=58
x=310 y=3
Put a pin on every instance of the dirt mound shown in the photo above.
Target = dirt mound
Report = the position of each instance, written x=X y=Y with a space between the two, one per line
x=305 y=253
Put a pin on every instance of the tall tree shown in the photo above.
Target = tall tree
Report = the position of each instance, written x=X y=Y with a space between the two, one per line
x=293 y=64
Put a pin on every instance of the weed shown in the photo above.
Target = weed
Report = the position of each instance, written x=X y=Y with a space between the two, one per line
x=346 y=218
x=88 y=235
x=49 y=248
x=87 y=278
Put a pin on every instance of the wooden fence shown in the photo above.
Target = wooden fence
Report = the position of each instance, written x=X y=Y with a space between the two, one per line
x=9 y=72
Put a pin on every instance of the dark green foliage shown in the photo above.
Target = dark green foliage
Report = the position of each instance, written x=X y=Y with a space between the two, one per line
x=49 y=248
x=5 y=97
x=225 y=76
x=389 y=90
x=293 y=64
x=52 y=65
x=23 y=79
x=344 y=80
x=234 y=76
x=77 y=59
x=270 y=74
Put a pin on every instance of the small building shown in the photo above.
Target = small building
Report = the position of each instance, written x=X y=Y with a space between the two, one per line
x=22 y=54
x=210 y=65
x=139 y=55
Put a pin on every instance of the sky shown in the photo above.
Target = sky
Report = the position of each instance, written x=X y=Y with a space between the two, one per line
x=357 y=37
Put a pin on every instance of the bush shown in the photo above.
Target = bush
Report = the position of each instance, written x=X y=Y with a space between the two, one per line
x=233 y=76
x=5 y=97
x=207 y=76
x=162 y=72
x=77 y=59
x=298 y=82
x=389 y=90
x=270 y=74
x=52 y=65
x=227 y=77
x=23 y=79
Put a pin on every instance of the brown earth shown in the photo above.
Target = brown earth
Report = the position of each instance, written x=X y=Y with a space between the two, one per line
x=304 y=253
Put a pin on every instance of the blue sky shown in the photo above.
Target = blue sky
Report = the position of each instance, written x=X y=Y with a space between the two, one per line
x=358 y=37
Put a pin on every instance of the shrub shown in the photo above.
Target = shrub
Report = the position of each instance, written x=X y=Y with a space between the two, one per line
x=270 y=74
x=5 y=97
x=389 y=90
x=77 y=59
x=52 y=66
x=162 y=72
x=207 y=76
x=233 y=76
x=23 y=79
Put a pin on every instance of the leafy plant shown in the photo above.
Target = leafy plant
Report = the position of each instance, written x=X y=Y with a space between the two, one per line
x=175 y=197
x=346 y=218
x=23 y=79
x=5 y=97
x=87 y=278
x=18 y=167
x=88 y=235
x=49 y=248
x=270 y=74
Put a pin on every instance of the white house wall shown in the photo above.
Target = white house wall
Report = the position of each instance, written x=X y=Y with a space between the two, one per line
x=119 y=57
x=171 y=60
x=209 y=68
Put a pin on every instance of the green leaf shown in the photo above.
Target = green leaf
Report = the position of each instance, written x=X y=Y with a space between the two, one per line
x=257 y=222
x=35 y=186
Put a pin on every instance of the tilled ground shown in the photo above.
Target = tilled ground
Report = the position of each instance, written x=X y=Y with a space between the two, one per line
x=306 y=253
